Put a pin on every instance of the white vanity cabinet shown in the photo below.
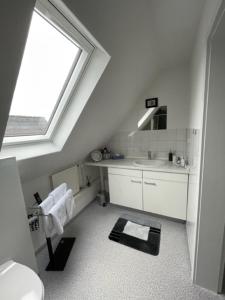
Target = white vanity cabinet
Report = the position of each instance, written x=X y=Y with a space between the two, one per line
x=125 y=187
x=156 y=192
x=165 y=194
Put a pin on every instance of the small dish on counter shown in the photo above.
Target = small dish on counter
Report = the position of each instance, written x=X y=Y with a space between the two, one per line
x=96 y=155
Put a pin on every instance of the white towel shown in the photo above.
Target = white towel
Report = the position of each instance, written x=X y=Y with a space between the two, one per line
x=46 y=206
x=69 y=203
x=59 y=192
x=139 y=231
x=59 y=215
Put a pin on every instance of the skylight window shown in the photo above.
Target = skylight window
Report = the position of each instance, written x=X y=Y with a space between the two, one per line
x=49 y=60
x=61 y=66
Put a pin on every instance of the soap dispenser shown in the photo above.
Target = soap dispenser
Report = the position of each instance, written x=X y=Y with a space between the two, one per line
x=170 y=156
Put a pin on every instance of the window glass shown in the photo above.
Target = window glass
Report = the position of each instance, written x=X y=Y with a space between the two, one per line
x=48 y=61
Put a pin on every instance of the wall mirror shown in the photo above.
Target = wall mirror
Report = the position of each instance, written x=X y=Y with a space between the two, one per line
x=154 y=119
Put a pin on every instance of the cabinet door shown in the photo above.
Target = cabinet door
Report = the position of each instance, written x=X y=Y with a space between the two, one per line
x=165 y=198
x=125 y=190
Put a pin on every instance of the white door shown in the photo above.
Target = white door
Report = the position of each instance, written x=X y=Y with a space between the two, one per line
x=125 y=190
x=167 y=198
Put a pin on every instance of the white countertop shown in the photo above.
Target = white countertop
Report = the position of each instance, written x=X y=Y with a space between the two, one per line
x=129 y=164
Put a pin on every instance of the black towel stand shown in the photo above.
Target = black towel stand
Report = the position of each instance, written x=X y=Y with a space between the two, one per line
x=57 y=259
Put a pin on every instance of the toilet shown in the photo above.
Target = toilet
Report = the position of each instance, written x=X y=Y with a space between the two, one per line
x=18 y=282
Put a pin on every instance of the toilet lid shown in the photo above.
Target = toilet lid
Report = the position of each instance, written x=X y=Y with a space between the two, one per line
x=18 y=282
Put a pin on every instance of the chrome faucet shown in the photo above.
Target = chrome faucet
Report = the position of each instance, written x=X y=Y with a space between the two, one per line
x=149 y=154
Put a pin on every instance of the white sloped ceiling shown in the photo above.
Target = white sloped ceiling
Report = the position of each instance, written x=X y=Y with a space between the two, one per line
x=142 y=37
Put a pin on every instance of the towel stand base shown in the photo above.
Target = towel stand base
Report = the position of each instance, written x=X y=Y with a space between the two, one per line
x=59 y=258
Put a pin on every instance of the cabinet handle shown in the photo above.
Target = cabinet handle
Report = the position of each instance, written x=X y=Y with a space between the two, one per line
x=135 y=181
x=150 y=183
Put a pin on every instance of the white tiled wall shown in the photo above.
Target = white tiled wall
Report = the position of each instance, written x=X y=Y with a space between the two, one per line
x=160 y=142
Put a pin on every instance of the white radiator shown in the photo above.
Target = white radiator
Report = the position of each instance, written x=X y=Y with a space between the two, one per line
x=69 y=176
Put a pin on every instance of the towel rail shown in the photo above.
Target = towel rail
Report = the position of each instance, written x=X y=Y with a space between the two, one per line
x=59 y=257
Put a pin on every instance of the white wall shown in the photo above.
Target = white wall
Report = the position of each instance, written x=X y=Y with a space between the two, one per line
x=172 y=87
x=16 y=243
x=212 y=195
x=40 y=185
x=198 y=71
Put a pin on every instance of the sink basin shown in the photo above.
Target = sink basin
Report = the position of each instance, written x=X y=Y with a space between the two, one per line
x=149 y=163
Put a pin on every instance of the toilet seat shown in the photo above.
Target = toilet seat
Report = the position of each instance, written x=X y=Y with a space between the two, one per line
x=18 y=282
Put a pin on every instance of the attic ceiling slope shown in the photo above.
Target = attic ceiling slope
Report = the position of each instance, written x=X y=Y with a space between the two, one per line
x=175 y=23
x=126 y=29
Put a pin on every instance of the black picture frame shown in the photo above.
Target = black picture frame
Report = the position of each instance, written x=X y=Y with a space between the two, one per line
x=151 y=102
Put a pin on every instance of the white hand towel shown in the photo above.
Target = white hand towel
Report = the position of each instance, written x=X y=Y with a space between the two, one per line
x=59 y=192
x=59 y=215
x=46 y=206
x=70 y=205
x=136 y=230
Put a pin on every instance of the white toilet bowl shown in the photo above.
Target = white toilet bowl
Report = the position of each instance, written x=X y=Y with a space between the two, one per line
x=18 y=282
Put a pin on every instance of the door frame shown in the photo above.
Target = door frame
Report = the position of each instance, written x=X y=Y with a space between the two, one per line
x=220 y=15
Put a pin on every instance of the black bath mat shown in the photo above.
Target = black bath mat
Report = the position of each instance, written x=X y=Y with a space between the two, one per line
x=151 y=246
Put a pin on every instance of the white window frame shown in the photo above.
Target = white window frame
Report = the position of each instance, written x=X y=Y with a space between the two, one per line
x=49 y=12
x=80 y=94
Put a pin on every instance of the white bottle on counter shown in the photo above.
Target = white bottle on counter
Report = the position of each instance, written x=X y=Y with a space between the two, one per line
x=182 y=162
